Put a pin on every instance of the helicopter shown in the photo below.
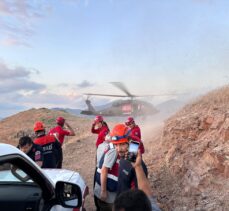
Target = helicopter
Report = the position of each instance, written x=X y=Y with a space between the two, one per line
x=127 y=107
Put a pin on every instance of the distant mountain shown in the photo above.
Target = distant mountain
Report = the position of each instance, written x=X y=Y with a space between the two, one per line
x=68 y=110
x=167 y=108
x=77 y=111
x=170 y=106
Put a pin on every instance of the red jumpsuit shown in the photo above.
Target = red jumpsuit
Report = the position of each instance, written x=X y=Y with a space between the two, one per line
x=102 y=132
x=61 y=133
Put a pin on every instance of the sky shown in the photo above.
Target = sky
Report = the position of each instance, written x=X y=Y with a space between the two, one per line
x=53 y=51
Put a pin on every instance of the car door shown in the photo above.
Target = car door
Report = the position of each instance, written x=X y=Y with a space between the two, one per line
x=23 y=185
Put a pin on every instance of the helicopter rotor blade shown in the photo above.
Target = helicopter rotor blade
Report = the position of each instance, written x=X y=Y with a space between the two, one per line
x=132 y=96
x=156 y=95
x=107 y=95
x=122 y=87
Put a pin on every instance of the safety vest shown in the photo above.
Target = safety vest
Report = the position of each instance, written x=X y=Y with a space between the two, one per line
x=112 y=176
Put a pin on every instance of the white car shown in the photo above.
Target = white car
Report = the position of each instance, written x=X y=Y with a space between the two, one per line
x=25 y=186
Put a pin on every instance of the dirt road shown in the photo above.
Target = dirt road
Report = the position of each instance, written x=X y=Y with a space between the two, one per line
x=79 y=155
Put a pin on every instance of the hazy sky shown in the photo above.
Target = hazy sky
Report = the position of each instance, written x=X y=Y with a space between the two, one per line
x=52 y=51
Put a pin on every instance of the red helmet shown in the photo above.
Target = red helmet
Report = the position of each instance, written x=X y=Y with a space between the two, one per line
x=38 y=126
x=119 y=134
x=129 y=121
x=98 y=119
x=60 y=121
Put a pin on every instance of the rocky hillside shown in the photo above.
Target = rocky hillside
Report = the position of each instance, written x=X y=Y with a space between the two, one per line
x=13 y=127
x=191 y=159
x=188 y=157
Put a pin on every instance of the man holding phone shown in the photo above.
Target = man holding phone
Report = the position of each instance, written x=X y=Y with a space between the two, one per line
x=140 y=199
x=127 y=148
x=127 y=177
x=106 y=177
x=114 y=169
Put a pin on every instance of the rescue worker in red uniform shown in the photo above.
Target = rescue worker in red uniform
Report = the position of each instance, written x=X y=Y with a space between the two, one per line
x=135 y=132
x=59 y=132
x=100 y=127
x=51 y=147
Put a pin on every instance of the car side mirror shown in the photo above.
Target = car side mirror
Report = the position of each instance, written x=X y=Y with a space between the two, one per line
x=68 y=194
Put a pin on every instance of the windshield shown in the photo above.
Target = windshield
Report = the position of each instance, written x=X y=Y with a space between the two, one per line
x=10 y=173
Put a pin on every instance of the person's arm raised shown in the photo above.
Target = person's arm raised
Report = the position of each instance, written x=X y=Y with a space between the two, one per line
x=72 y=133
x=143 y=182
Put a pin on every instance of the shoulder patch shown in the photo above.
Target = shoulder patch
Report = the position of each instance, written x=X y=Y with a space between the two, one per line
x=37 y=155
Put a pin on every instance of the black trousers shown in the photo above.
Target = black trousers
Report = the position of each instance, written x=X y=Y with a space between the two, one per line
x=60 y=159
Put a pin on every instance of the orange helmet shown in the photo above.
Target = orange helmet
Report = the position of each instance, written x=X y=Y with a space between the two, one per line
x=119 y=134
x=38 y=126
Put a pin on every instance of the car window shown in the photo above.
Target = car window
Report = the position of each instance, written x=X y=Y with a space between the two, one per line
x=11 y=173
x=17 y=190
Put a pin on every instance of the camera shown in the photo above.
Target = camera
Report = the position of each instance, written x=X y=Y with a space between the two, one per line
x=132 y=151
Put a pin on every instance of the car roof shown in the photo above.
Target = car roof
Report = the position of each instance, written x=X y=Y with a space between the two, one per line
x=7 y=149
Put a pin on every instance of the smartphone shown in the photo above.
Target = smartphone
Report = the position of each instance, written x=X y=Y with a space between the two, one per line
x=132 y=151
